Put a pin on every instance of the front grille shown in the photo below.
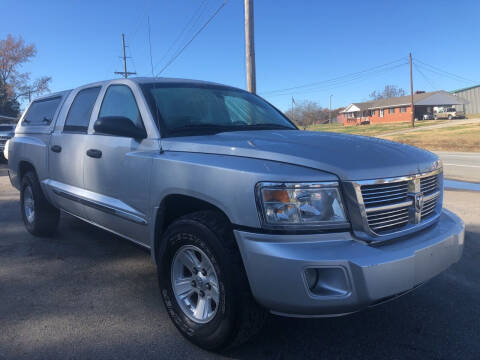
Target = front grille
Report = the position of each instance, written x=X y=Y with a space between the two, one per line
x=394 y=205
x=378 y=198
x=429 y=184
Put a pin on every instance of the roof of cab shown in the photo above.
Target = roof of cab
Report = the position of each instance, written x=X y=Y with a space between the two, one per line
x=143 y=80
x=138 y=80
x=52 y=95
x=146 y=80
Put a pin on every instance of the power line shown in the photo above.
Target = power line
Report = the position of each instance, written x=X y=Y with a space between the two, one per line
x=439 y=73
x=339 y=83
x=424 y=76
x=139 y=20
x=335 y=78
x=190 y=24
x=446 y=73
x=192 y=38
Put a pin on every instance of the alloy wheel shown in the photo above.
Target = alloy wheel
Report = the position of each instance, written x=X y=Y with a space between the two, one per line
x=195 y=284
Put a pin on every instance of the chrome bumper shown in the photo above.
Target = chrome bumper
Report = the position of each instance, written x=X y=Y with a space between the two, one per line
x=275 y=266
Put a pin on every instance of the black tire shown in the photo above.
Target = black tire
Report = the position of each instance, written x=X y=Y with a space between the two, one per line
x=450 y=117
x=46 y=216
x=238 y=316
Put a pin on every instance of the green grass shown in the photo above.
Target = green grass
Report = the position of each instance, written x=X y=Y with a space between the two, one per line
x=372 y=130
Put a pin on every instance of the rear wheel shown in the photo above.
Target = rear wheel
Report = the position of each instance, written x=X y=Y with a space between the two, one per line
x=203 y=283
x=39 y=216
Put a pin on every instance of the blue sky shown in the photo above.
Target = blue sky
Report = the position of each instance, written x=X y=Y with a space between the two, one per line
x=297 y=43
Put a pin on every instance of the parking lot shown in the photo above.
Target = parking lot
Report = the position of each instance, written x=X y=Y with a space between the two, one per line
x=88 y=294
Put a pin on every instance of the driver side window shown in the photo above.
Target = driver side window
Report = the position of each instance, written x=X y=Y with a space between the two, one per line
x=120 y=101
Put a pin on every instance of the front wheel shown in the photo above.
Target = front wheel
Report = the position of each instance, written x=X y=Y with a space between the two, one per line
x=450 y=117
x=39 y=216
x=203 y=283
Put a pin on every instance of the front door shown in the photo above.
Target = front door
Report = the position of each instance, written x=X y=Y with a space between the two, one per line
x=117 y=171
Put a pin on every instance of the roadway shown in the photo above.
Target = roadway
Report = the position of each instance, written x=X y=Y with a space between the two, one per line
x=461 y=165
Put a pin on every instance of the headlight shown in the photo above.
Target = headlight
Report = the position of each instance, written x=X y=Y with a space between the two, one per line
x=304 y=205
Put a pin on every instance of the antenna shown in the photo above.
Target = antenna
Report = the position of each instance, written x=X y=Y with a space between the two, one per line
x=150 y=44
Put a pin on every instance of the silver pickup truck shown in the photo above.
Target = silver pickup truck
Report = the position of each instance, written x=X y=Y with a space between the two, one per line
x=243 y=213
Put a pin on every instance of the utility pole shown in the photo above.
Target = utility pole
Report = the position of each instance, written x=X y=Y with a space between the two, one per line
x=411 y=90
x=330 y=112
x=125 y=73
x=250 y=47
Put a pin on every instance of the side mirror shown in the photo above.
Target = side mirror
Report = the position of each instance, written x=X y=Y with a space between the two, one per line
x=118 y=126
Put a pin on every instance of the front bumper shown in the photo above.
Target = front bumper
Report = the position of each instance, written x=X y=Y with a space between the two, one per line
x=275 y=266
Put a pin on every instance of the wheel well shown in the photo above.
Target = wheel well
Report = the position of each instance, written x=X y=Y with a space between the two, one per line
x=175 y=206
x=24 y=167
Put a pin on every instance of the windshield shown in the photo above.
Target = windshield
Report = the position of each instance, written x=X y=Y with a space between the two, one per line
x=189 y=109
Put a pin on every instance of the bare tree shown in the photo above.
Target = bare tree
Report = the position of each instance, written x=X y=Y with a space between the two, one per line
x=388 y=92
x=14 y=84
x=309 y=113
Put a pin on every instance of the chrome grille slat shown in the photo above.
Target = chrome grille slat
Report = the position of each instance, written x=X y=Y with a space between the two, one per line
x=387 y=218
x=429 y=186
x=428 y=213
x=428 y=207
x=392 y=221
x=386 y=191
x=391 y=212
x=428 y=178
x=403 y=193
x=382 y=187
x=428 y=183
x=390 y=225
x=403 y=197
x=389 y=204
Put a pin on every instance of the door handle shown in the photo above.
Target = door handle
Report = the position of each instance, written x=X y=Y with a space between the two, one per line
x=56 y=148
x=94 y=153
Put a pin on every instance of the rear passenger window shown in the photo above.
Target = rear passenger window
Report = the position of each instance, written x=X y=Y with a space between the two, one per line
x=79 y=114
x=120 y=101
x=41 y=112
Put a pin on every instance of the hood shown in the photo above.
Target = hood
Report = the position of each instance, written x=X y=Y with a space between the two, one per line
x=350 y=157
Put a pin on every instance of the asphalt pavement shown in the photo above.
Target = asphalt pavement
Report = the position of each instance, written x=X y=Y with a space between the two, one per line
x=88 y=294
x=461 y=165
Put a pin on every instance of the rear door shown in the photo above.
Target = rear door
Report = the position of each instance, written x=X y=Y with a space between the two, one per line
x=117 y=169
x=67 y=152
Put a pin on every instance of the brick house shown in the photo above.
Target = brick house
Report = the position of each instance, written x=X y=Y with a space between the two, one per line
x=397 y=109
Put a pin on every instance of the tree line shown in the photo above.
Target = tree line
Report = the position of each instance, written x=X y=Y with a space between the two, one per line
x=308 y=113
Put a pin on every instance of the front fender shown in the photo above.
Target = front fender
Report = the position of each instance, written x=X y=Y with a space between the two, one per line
x=226 y=182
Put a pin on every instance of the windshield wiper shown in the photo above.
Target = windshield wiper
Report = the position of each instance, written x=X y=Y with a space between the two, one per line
x=208 y=128
x=215 y=129
x=266 y=126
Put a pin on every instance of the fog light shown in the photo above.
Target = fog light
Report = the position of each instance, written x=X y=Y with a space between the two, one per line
x=311 y=275
x=327 y=281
